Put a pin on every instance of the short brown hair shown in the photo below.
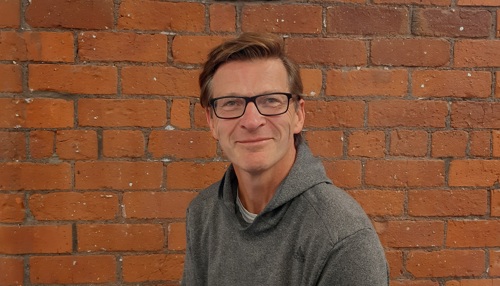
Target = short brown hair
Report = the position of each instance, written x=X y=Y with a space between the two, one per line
x=248 y=46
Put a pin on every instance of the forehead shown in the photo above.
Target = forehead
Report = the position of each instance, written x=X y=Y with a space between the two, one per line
x=249 y=78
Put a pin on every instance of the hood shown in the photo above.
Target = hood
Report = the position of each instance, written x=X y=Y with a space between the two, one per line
x=306 y=172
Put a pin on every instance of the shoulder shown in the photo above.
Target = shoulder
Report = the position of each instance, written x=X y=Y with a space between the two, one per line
x=205 y=198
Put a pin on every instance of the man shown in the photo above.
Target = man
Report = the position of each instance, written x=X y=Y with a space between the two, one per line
x=274 y=218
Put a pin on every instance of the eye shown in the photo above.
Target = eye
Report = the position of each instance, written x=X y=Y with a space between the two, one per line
x=229 y=102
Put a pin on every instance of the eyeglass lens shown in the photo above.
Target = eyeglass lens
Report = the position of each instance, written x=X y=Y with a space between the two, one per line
x=235 y=106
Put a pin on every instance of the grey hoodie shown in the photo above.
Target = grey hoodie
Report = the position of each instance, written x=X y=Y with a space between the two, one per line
x=310 y=233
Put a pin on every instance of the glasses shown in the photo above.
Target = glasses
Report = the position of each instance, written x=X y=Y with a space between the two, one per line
x=269 y=104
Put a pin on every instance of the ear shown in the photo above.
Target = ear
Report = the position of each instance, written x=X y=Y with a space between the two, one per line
x=300 y=116
x=210 y=120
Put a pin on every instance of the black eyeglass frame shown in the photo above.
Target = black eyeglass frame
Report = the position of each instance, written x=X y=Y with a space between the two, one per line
x=253 y=99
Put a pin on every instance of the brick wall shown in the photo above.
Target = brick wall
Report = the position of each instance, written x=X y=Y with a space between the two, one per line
x=103 y=142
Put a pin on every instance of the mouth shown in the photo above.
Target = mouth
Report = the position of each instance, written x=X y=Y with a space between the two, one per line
x=253 y=141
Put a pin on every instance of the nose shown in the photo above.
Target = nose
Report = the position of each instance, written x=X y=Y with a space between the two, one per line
x=252 y=118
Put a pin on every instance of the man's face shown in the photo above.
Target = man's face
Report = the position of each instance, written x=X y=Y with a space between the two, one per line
x=256 y=143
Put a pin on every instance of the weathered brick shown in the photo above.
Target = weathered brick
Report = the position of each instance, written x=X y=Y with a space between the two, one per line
x=477 y=53
x=11 y=76
x=75 y=14
x=123 y=143
x=415 y=2
x=12 y=208
x=141 y=268
x=479 y=143
x=37 y=46
x=449 y=143
x=370 y=144
x=80 y=79
x=410 y=52
x=222 y=17
x=393 y=202
x=151 y=205
x=407 y=173
x=447 y=22
x=367 y=20
x=194 y=49
x=36 y=113
x=475 y=115
x=407 y=113
x=447 y=203
x=118 y=175
x=328 y=51
x=35 y=176
x=76 y=144
x=35 y=239
x=494 y=268
x=284 y=18
x=412 y=143
x=444 y=263
x=367 y=82
x=478 y=3
x=68 y=269
x=200 y=119
x=12 y=146
x=205 y=174
x=10 y=14
x=12 y=268
x=451 y=83
x=312 y=80
x=344 y=173
x=120 y=237
x=325 y=143
x=122 y=112
x=410 y=233
x=473 y=282
x=177 y=236
x=334 y=114
x=41 y=144
x=160 y=80
x=395 y=261
x=473 y=233
x=107 y=46
x=474 y=173
x=496 y=143
x=74 y=206
x=182 y=144
x=180 y=113
x=161 y=16
x=495 y=203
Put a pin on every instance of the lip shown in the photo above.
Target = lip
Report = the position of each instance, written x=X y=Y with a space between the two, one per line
x=253 y=140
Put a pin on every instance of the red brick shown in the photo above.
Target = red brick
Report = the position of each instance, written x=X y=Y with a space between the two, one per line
x=414 y=283
x=74 y=206
x=120 y=237
x=35 y=239
x=200 y=119
x=447 y=203
x=76 y=144
x=367 y=20
x=222 y=17
x=412 y=143
x=498 y=25
x=41 y=144
x=284 y=18
x=410 y=52
x=107 y=46
x=477 y=53
x=180 y=174
x=410 y=233
x=182 y=144
x=474 y=173
x=477 y=3
x=407 y=113
x=494 y=268
x=11 y=76
x=118 y=175
x=12 y=269
x=476 y=233
x=496 y=143
x=319 y=51
x=495 y=202
x=415 y=2
x=344 y=173
x=36 y=113
x=367 y=82
x=451 y=83
x=153 y=267
x=12 y=208
x=473 y=282
x=370 y=200
x=75 y=14
x=122 y=112
x=312 y=80
x=10 y=16
x=444 y=263
x=81 y=79
x=12 y=146
x=497 y=75
x=34 y=176
x=123 y=143
x=12 y=46
x=325 y=143
x=475 y=115
x=151 y=205
x=439 y=22
x=160 y=80
x=37 y=46
x=404 y=173
x=194 y=49
x=480 y=143
x=449 y=143
x=334 y=114
x=72 y=269
x=395 y=261
x=177 y=236
x=369 y=144
x=180 y=113
x=162 y=16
